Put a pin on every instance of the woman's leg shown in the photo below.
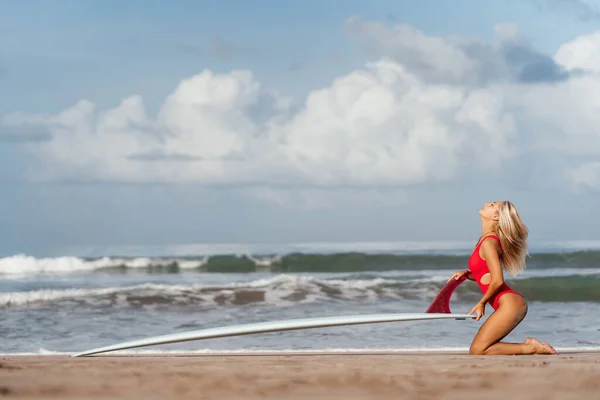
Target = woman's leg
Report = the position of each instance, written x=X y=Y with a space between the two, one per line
x=512 y=308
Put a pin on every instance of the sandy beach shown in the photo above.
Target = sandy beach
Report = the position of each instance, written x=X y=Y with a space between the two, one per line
x=365 y=376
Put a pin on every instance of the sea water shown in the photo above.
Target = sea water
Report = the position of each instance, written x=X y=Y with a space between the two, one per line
x=66 y=304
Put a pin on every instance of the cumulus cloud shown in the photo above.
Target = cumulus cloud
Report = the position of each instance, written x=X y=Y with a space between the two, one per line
x=428 y=109
x=458 y=61
x=377 y=126
x=581 y=54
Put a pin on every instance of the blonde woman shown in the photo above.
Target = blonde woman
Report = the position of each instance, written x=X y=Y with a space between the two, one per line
x=503 y=243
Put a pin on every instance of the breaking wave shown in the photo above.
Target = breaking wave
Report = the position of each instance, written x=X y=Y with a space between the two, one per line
x=289 y=263
x=285 y=290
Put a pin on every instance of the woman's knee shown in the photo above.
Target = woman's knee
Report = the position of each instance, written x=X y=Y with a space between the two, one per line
x=477 y=349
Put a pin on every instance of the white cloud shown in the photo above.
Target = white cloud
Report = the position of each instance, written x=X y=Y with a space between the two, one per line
x=566 y=115
x=582 y=53
x=376 y=126
x=435 y=58
x=429 y=110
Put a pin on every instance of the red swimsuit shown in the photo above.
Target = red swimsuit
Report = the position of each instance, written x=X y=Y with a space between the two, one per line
x=478 y=267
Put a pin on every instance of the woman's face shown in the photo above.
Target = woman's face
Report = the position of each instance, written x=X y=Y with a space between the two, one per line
x=490 y=210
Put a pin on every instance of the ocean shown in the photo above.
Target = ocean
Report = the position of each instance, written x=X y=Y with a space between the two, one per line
x=67 y=304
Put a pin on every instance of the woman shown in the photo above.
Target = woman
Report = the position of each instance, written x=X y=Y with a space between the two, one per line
x=503 y=239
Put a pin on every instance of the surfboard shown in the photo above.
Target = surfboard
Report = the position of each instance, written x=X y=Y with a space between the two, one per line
x=439 y=309
x=273 y=326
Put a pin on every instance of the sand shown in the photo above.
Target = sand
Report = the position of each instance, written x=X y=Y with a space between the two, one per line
x=367 y=376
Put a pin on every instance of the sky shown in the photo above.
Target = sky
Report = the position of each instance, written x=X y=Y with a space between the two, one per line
x=315 y=121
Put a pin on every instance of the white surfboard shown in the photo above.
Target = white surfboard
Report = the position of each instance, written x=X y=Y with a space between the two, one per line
x=273 y=326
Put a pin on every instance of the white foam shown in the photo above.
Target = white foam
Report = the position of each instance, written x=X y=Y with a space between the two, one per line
x=48 y=295
x=23 y=265
x=276 y=289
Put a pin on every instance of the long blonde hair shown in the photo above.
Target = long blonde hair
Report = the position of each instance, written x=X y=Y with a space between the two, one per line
x=512 y=233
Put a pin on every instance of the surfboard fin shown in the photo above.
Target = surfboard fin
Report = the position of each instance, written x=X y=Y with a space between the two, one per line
x=441 y=302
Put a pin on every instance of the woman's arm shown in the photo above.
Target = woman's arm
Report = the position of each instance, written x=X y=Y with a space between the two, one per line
x=465 y=272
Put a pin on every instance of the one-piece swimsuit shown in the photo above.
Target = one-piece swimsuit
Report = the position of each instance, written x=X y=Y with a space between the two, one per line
x=478 y=267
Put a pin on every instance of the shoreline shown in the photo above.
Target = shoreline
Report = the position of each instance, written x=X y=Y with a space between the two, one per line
x=287 y=376
x=266 y=353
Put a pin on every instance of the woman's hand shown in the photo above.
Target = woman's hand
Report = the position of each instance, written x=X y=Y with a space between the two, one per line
x=479 y=309
x=459 y=274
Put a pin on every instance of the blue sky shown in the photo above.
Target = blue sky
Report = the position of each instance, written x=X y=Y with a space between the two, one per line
x=56 y=54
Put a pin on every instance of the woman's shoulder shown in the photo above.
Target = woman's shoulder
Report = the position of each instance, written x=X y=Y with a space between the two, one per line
x=494 y=240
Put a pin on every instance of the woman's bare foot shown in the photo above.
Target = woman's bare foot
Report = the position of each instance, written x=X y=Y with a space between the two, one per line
x=539 y=347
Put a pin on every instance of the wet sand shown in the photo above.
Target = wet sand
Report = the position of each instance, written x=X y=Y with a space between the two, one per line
x=310 y=376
